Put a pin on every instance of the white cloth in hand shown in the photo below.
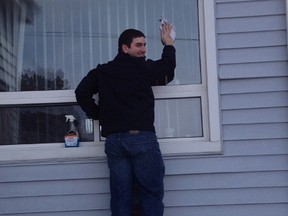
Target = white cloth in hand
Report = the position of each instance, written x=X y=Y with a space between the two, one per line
x=173 y=32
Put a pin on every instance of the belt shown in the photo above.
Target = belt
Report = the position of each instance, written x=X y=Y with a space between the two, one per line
x=134 y=131
x=129 y=132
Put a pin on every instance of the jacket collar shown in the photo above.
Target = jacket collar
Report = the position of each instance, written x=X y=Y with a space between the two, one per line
x=126 y=57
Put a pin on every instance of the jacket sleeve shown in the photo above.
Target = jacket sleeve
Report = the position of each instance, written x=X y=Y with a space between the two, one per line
x=84 y=94
x=163 y=69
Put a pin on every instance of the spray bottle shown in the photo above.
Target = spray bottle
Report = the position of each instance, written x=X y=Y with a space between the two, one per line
x=72 y=136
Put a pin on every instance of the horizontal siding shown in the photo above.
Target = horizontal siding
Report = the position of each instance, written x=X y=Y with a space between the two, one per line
x=261 y=85
x=261 y=116
x=253 y=39
x=65 y=213
x=253 y=70
x=60 y=203
x=78 y=184
x=226 y=9
x=252 y=24
x=255 y=131
x=202 y=185
x=248 y=55
x=263 y=147
x=55 y=188
x=197 y=182
x=254 y=100
x=227 y=164
x=228 y=210
x=227 y=197
x=53 y=171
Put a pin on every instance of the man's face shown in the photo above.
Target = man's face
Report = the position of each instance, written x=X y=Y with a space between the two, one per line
x=137 y=47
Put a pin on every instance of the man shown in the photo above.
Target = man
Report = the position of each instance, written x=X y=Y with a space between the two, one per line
x=126 y=115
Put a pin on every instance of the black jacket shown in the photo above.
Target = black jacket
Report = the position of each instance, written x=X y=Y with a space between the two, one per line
x=126 y=100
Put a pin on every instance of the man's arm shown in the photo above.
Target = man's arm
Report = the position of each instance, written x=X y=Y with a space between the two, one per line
x=166 y=65
x=84 y=95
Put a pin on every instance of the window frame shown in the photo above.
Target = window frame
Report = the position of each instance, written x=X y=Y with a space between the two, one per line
x=210 y=143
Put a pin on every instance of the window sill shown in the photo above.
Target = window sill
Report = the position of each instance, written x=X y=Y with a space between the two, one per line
x=45 y=152
x=57 y=151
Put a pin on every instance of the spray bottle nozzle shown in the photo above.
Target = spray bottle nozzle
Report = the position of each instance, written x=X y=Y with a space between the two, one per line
x=70 y=118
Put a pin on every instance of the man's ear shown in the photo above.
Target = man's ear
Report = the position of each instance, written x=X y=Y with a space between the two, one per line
x=125 y=48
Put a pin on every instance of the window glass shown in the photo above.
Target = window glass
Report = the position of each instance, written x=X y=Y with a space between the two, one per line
x=51 y=45
x=178 y=118
x=41 y=124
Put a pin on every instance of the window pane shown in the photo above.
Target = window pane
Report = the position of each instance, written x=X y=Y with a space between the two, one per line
x=41 y=124
x=178 y=118
x=51 y=45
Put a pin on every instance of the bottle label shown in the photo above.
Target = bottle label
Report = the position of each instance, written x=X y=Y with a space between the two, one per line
x=71 y=141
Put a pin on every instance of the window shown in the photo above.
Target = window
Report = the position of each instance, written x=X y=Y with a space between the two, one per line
x=41 y=124
x=47 y=47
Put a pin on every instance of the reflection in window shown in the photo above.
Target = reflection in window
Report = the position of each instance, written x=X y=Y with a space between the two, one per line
x=51 y=45
x=41 y=124
x=178 y=118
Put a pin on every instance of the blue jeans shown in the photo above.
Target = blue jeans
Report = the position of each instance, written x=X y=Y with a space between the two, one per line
x=135 y=158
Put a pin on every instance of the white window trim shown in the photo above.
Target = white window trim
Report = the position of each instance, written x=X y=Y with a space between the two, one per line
x=209 y=144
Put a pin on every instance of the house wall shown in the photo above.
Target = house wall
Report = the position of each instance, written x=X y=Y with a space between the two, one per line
x=249 y=178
